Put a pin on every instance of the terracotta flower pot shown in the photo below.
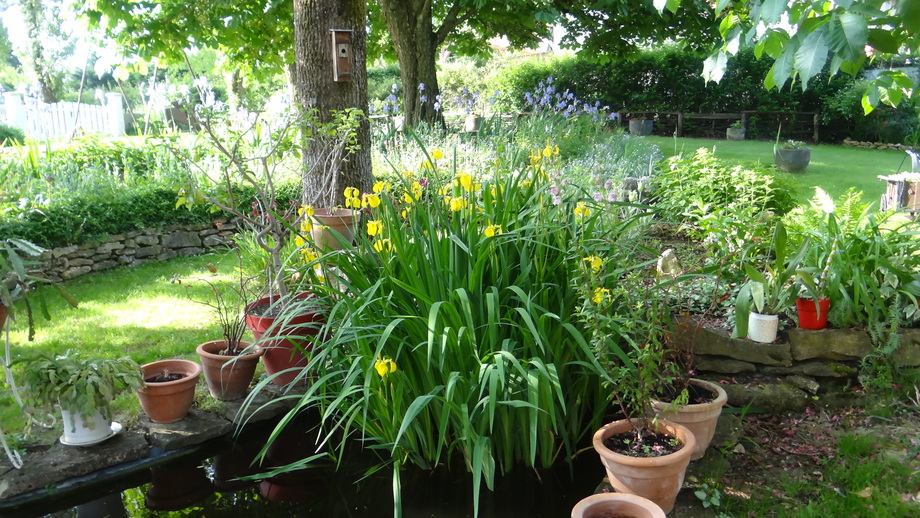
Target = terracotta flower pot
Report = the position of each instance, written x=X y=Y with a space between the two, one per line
x=169 y=401
x=228 y=377
x=701 y=418
x=811 y=318
x=331 y=225
x=657 y=478
x=287 y=355
x=623 y=505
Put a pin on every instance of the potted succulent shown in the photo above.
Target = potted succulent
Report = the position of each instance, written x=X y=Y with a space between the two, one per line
x=770 y=292
x=735 y=131
x=83 y=389
x=169 y=389
x=229 y=364
x=642 y=454
x=792 y=157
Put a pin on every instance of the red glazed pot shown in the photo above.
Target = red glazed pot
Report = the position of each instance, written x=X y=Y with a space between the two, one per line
x=809 y=317
x=285 y=356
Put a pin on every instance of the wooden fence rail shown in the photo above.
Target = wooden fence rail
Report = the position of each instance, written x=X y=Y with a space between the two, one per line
x=798 y=125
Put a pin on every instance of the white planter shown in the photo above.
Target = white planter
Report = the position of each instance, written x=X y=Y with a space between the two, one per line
x=471 y=124
x=78 y=432
x=762 y=328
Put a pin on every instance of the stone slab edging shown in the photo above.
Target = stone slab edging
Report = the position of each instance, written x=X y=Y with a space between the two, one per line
x=60 y=469
x=825 y=353
x=136 y=248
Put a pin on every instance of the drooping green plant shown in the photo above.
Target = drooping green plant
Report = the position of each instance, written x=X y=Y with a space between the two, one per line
x=453 y=335
x=79 y=385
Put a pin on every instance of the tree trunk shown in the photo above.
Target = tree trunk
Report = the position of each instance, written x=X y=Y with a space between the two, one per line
x=324 y=179
x=410 y=26
x=32 y=12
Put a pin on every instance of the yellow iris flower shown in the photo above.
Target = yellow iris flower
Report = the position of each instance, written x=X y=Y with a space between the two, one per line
x=581 y=211
x=437 y=154
x=380 y=187
x=383 y=244
x=594 y=262
x=384 y=366
x=493 y=230
x=371 y=200
x=600 y=294
x=374 y=227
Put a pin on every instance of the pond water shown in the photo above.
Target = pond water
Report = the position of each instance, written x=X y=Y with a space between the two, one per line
x=204 y=485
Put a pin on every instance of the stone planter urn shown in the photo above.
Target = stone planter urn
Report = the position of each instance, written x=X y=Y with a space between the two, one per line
x=734 y=133
x=641 y=127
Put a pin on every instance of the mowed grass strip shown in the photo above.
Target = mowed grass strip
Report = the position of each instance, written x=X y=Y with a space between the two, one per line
x=833 y=168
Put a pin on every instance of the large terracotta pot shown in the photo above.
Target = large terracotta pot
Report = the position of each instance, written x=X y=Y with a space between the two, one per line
x=169 y=401
x=228 y=377
x=657 y=478
x=701 y=419
x=623 y=505
x=331 y=225
x=286 y=356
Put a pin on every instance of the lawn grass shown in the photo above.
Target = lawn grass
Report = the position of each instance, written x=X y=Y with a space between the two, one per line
x=833 y=168
x=144 y=312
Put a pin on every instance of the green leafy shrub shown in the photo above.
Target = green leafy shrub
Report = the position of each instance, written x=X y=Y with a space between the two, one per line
x=843 y=116
x=10 y=135
x=703 y=180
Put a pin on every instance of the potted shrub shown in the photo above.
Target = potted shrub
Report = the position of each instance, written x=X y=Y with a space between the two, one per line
x=792 y=157
x=642 y=454
x=735 y=131
x=169 y=389
x=694 y=403
x=83 y=389
x=641 y=127
x=229 y=364
x=771 y=291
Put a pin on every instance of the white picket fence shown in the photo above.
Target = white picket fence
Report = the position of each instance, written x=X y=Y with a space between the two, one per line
x=61 y=120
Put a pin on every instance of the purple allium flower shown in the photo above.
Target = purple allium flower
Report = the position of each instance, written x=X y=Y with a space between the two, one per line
x=553 y=189
x=598 y=197
x=423 y=182
x=557 y=200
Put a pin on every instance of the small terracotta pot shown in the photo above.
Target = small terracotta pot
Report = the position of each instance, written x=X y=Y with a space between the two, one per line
x=701 y=419
x=169 y=401
x=228 y=377
x=623 y=505
x=285 y=357
x=809 y=317
x=657 y=478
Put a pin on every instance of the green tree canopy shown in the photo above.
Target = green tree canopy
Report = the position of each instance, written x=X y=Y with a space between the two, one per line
x=804 y=37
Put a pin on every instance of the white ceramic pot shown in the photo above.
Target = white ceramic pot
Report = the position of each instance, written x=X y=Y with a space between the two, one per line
x=762 y=328
x=79 y=432
x=471 y=124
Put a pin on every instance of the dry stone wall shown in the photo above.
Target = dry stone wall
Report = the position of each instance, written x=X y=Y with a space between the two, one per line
x=136 y=248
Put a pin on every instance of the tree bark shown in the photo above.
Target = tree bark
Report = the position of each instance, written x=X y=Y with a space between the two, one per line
x=416 y=41
x=32 y=12
x=325 y=179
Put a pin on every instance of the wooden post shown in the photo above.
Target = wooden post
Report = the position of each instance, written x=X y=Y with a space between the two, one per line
x=815 y=126
x=680 y=124
x=744 y=118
